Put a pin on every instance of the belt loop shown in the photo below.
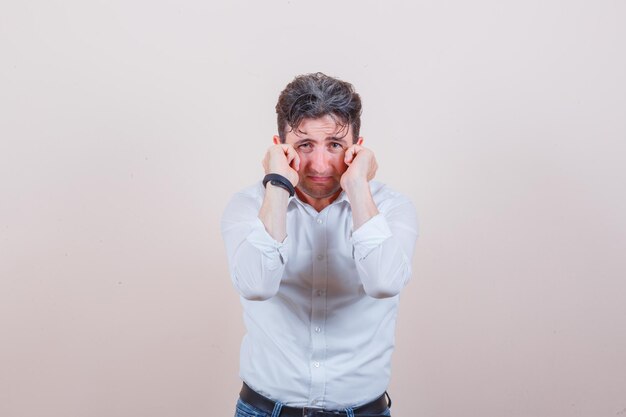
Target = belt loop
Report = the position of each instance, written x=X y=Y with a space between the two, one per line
x=349 y=412
x=278 y=406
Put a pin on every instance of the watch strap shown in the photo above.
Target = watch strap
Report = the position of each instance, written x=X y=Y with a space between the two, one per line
x=279 y=181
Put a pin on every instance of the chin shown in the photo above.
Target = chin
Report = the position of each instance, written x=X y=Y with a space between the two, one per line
x=314 y=192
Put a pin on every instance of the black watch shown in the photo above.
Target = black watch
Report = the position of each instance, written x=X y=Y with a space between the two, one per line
x=279 y=181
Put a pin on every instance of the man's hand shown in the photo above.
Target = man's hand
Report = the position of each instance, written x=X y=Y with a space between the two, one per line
x=362 y=167
x=279 y=159
x=282 y=159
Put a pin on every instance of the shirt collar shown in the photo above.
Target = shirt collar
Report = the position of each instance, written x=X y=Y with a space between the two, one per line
x=342 y=197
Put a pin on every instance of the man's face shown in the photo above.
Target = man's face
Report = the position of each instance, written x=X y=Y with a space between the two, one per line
x=321 y=144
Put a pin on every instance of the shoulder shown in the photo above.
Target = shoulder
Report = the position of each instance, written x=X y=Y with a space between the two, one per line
x=396 y=207
x=386 y=197
x=245 y=202
x=252 y=192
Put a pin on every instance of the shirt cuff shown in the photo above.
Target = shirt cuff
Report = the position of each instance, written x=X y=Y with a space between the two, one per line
x=369 y=236
x=275 y=252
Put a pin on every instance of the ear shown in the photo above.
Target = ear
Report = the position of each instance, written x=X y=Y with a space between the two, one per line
x=359 y=141
x=276 y=139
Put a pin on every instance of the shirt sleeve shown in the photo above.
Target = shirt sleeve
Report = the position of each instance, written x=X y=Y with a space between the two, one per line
x=256 y=261
x=383 y=249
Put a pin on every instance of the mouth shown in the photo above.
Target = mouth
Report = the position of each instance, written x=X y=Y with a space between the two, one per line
x=320 y=179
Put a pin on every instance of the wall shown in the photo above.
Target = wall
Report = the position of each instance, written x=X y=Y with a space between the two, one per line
x=126 y=125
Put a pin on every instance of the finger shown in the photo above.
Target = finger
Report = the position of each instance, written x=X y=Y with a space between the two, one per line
x=275 y=151
x=286 y=147
x=293 y=158
x=282 y=150
x=290 y=153
x=347 y=159
x=350 y=154
x=372 y=172
x=296 y=160
x=266 y=160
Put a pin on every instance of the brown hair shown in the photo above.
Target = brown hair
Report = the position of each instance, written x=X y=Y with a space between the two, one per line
x=311 y=96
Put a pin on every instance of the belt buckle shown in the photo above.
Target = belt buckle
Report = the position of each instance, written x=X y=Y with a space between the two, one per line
x=311 y=411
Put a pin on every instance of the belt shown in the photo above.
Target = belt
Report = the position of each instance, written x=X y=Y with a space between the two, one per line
x=248 y=395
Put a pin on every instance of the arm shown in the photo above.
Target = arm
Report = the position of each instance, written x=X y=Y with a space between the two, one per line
x=355 y=182
x=255 y=234
x=383 y=243
x=256 y=260
x=383 y=248
x=283 y=160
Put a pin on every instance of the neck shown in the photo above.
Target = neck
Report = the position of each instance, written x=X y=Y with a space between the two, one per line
x=318 y=204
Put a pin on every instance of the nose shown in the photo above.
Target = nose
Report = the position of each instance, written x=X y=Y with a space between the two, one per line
x=318 y=161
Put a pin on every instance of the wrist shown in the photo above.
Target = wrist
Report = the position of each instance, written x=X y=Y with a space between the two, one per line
x=362 y=204
x=356 y=186
x=279 y=181
x=276 y=190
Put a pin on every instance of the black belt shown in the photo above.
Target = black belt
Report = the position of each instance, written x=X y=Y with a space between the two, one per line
x=248 y=395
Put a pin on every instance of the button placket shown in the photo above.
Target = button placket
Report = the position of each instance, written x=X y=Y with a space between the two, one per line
x=318 y=310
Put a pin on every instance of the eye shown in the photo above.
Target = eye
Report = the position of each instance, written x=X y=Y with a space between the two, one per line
x=305 y=147
x=335 y=147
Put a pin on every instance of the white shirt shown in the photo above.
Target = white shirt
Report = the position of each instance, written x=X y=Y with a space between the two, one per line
x=319 y=308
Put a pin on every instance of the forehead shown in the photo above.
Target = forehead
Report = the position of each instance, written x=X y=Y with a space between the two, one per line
x=320 y=129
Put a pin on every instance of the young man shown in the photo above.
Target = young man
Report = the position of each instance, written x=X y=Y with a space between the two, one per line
x=319 y=253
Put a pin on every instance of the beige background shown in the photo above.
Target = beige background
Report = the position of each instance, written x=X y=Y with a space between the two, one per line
x=126 y=125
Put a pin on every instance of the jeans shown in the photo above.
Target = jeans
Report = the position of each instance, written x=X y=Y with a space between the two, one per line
x=246 y=410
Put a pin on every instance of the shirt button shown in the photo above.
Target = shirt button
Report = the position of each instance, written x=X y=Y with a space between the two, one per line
x=316 y=364
x=317 y=330
x=320 y=293
x=320 y=257
x=319 y=221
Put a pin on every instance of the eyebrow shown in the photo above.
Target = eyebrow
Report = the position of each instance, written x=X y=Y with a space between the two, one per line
x=327 y=139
